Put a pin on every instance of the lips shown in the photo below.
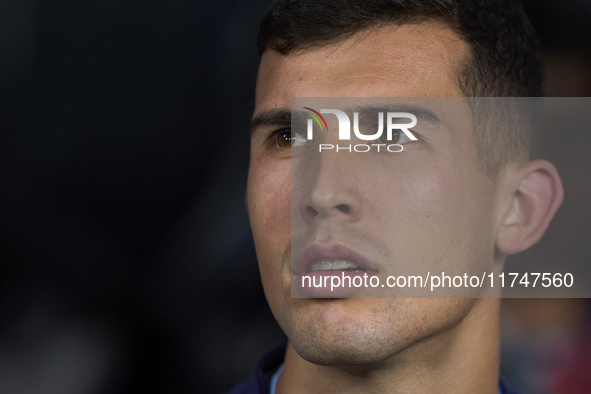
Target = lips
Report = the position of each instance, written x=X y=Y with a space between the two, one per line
x=335 y=265
x=320 y=264
x=330 y=257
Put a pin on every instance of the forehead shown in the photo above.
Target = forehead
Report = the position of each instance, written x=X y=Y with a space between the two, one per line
x=420 y=60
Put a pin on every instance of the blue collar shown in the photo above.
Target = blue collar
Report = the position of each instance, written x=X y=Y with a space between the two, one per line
x=270 y=367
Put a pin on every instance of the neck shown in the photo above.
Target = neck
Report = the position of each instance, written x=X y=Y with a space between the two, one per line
x=460 y=359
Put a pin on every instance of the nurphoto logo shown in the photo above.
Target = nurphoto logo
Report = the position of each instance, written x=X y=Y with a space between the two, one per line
x=345 y=129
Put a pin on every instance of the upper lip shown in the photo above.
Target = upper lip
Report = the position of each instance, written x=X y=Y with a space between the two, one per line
x=313 y=253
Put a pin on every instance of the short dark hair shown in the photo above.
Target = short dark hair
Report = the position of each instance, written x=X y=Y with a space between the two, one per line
x=503 y=61
x=504 y=46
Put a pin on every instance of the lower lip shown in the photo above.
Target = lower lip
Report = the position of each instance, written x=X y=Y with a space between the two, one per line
x=318 y=277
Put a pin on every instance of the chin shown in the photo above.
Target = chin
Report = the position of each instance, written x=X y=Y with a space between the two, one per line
x=345 y=342
x=341 y=352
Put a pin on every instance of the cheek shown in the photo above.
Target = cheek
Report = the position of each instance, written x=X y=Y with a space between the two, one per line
x=418 y=195
x=437 y=217
x=268 y=202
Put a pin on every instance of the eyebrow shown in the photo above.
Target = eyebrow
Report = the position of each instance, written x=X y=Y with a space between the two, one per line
x=369 y=112
x=273 y=117
x=283 y=116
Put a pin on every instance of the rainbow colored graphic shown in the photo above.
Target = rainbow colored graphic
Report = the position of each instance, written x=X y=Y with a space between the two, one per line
x=316 y=118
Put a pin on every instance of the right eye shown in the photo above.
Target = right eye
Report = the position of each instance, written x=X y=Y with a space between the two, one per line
x=286 y=138
x=283 y=138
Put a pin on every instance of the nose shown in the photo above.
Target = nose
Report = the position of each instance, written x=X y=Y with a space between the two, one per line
x=332 y=192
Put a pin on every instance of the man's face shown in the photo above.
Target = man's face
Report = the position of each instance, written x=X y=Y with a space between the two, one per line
x=433 y=207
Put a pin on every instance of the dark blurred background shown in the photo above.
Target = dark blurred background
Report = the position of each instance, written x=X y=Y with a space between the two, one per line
x=127 y=263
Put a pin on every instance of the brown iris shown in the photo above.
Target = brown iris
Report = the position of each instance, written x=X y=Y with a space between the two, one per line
x=284 y=139
x=395 y=137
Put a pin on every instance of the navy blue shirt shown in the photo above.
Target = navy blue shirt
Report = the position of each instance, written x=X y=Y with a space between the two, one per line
x=270 y=362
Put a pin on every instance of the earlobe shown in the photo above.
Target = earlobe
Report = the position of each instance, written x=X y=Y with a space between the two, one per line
x=534 y=202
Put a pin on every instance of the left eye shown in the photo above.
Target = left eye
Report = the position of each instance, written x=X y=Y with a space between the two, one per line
x=398 y=137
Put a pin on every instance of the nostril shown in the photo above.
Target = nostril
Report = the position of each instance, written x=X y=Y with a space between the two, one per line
x=343 y=208
x=312 y=211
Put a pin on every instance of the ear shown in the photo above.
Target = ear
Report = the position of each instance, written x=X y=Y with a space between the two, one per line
x=534 y=202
